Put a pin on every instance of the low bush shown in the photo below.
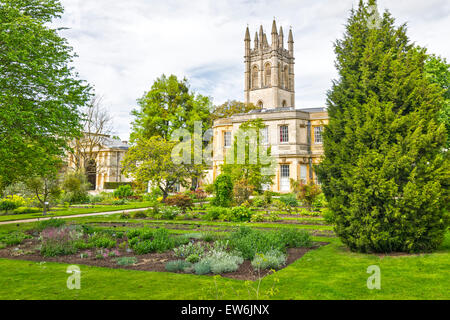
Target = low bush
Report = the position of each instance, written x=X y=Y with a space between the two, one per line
x=100 y=240
x=242 y=191
x=273 y=259
x=213 y=213
x=59 y=241
x=178 y=265
x=258 y=202
x=236 y=214
x=13 y=238
x=189 y=249
x=294 y=238
x=289 y=200
x=25 y=210
x=169 y=213
x=222 y=261
x=202 y=267
x=124 y=216
x=139 y=215
x=123 y=191
x=126 y=261
x=258 y=217
x=181 y=201
x=193 y=258
x=119 y=202
x=328 y=216
x=11 y=203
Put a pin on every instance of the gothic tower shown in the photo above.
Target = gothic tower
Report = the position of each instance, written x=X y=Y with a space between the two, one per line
x=269 y=70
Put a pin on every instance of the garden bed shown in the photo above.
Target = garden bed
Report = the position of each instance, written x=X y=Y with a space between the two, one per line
x=155 y=262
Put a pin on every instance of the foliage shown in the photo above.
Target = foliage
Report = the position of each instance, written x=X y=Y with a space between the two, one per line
x=222 y=261
x=181 y=201
x=308 y=194
x=319 y=202
x=115 y=185
x=213 y=213
x=177 y=265
x=242 y=191
x=13 y=238
x=150 y=159
x=289 y=200
x=384 y=174
x=272 y=259
x=328 y=215
x=223 y=190
x=189 y=249
x=45 y=187
x=11 y=203
x=75 y=187
x=294 y=238
x=101 y=240
x=59 y=241
x=123 y=191
x=139 y=215
x=126 y=261
x=268 y=197
x=248 y=158
x=230 y=108
x=50 y=223
x=202 y=267
x=157 y=241
x=40 y=92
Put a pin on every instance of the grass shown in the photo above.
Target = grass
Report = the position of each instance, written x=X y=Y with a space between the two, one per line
x=76 y=211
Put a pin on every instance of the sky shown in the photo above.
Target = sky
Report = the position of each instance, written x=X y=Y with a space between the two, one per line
x=123 y=46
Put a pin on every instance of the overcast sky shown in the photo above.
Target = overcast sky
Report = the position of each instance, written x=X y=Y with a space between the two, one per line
x=123 y=46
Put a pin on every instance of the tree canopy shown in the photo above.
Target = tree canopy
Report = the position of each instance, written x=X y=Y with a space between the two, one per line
x=384 y=174
x=40 y=93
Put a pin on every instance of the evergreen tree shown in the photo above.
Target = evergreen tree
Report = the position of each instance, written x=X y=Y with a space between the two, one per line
x=384 y=173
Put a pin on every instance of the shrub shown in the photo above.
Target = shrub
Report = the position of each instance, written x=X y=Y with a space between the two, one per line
x=75 y=187
x=25 y=210
x=60 y=241
x=308 y=193
x=213 y=213
x=241 y=214
x=258 y=217
x=124 y=216
x=200 y=194
x=123 y=191
x=115 y=185
x=193 y=258
x=223 y=188
x=319 y=202
x=177 y=265
x=221 y=261
x=51 y=223
x=100 y=240
x=242 y=191
x=268 y=197
x=126 y=261
x=139 y=215
x=289 y=200
x=189 y=249
x=272 y=259
x=273 y=217
x=169 y=213
x=119 y=202
x=13 y=238
x=258 y=202
x=293 y=238
x=182 y=201
x=328 y=215
x=251 y=241
x=202 y=267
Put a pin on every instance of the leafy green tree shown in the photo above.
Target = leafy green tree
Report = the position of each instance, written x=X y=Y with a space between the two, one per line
x=150 y=160
x=46 y=188
x=231 y=107
x=39 y=91
x=384 y=174
x=249 y=159
x=76 y=187
x=438 y=71
x=168 y=106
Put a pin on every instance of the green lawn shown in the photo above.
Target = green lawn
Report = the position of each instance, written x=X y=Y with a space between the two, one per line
x=76 y=211
x=330 y=272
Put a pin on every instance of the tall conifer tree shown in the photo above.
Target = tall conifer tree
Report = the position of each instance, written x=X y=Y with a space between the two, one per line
x=384 y=173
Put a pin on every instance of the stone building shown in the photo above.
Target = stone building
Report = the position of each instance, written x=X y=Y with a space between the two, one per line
x=103 y=163
x=295 y=135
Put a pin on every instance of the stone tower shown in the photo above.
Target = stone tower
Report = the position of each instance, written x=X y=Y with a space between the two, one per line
x=269 y=70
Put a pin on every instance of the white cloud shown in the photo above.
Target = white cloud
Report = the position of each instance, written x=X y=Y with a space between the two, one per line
x=124 y=45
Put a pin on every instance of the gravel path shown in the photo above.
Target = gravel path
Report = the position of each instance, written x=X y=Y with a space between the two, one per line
x=73 y=216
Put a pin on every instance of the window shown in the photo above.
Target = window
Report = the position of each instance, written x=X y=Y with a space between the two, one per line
x=286 y=78
x=255 y=77
x=265 y=135
x=268 y=75
x=260 y=104
x=284 y=175
x=284 y=134
x=227 y=139
x=303 y=173
x=284 y=104
x=318 y=135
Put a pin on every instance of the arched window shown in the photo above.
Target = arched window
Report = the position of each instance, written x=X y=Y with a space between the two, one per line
x=286 y=77
x=260 y=104
x=268 y=74
x=255 y=77
x=284 y=104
